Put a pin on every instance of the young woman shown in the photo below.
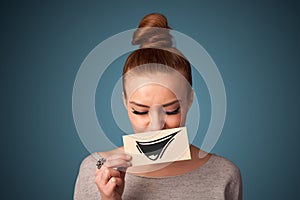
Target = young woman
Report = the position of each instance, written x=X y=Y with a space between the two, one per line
x=157 y=84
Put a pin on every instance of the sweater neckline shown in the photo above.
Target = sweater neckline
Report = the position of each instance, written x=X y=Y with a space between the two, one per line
x=207 y=163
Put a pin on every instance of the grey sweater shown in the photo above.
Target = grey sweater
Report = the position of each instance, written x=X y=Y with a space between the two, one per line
x=218 y=179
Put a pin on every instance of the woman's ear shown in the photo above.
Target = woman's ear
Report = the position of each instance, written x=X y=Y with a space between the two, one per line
x=124 y=100
x=191 y=98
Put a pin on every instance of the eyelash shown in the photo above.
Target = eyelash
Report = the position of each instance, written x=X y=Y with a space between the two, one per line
x=139 y=113
x=174 y=112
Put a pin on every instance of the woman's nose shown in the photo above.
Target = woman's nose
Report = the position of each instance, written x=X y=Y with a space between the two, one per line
x=158 y=118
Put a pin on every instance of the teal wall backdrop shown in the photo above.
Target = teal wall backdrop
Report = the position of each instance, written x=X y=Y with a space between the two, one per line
x=255 y=45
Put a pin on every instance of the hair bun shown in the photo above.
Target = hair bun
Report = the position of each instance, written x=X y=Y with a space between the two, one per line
x=153 y=32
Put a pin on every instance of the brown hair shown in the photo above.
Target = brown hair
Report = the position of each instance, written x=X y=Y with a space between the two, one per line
x=156 y=46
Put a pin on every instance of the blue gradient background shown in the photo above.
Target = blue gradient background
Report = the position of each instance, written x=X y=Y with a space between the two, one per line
x=255 y=45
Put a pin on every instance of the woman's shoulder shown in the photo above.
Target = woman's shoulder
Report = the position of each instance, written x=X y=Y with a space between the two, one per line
x=213 y=162
x=223 y=165
x=89 y=162
x=223 y=161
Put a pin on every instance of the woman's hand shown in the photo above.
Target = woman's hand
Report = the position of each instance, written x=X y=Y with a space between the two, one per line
x=109 y=180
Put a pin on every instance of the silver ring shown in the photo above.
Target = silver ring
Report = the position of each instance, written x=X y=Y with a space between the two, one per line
x=100 y=162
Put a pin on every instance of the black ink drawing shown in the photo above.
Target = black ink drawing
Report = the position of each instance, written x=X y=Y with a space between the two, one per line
x=155 y=149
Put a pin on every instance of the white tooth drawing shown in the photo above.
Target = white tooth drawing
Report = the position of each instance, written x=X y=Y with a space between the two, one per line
x=157 y=146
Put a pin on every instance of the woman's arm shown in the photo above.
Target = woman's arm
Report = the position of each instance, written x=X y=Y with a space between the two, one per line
x=85 y=187
x=233 y=190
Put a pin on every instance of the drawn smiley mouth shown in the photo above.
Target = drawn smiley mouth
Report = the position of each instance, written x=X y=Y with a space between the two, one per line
x=155 y=149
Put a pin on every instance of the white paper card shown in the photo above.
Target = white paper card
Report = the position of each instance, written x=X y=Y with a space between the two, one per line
x=158 y=146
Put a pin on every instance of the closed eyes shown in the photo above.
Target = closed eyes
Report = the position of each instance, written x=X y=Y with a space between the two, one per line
x=174 y=112
x=139 y=113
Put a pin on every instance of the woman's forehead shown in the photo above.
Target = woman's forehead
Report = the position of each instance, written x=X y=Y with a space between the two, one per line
x=174 y=83
x=153 y=93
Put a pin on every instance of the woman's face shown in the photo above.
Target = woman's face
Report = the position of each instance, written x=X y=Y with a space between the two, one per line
x=155 y=106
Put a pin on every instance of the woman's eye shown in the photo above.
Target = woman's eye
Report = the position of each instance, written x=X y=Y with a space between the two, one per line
x=174 y=112
x=139 y=113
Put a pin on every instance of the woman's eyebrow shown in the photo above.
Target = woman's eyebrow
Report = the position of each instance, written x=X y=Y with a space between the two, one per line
x=145 y=106
x=138 y=104
x=171 y=103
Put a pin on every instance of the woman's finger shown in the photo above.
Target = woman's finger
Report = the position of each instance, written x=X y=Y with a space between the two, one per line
x=113 y=183
x=118 y=181
x=122 y=156
x=108 y=179
x=115 y=163
x=107 y=173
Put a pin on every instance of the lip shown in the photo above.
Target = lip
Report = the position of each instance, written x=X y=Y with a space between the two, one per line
x=155 y=149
